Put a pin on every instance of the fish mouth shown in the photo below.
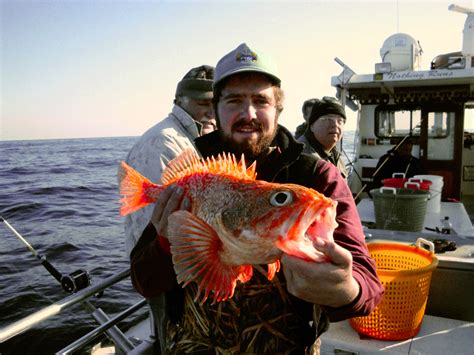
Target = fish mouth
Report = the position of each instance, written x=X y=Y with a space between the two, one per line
x=310 y=218
x=300 y=225
x=315 y=221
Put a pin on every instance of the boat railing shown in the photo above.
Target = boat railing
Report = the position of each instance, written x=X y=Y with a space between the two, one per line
x=124 y=346
x=108 y=325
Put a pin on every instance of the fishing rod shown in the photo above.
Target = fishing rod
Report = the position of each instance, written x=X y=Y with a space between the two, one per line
x=74 y=282
x=389 y=156
x=382 y=165
x=71 y=283
x=351 y=163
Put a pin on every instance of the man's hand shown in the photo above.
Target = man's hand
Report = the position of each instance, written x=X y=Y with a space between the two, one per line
x=330 y=284
x=169 y=201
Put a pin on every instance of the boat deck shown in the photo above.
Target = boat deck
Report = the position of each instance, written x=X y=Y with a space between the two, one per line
x=460 y=214
x=437 y=336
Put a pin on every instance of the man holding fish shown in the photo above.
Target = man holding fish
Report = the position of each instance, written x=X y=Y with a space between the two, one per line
x=221 y=230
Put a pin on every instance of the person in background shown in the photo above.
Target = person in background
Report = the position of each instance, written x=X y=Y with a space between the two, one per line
x=398 y=160
x=289 y=313
x=307 y=107
x=192 y=115
x=324 y=131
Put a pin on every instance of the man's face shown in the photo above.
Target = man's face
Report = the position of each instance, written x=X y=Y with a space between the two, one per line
x=328 y=130
x=247 y=114
x=200 y=110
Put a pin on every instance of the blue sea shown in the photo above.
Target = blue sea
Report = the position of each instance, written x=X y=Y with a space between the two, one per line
x=61 y=196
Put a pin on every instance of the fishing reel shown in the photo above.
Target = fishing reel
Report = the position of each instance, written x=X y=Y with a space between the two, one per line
x=76 y=281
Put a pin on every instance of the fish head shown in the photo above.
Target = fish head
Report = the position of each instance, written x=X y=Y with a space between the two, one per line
x=276 y=218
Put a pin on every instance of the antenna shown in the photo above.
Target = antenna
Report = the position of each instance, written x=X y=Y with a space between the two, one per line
x=398 y=18
x=461 y=9
x=468 y=32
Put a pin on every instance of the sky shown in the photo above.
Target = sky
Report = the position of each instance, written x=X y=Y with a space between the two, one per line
x=103 y=68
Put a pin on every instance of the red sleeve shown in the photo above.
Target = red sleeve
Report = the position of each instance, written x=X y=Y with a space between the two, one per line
x=151 y=267
x=349 y=234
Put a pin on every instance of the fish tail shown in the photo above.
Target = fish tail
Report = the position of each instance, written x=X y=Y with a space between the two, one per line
x=135 y=189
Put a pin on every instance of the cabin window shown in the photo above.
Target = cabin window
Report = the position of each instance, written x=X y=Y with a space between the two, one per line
x=469 y=118
x=469 y=126
x=440 y=142
x=438 y=124
x=397 y=121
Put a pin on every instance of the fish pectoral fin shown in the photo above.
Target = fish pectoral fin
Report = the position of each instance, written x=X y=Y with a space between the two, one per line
x=195 y=249
x=273 y=268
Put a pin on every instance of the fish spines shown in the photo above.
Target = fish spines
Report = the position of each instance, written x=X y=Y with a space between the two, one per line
x=252 y=170
x=188 y=163
x=180 y=167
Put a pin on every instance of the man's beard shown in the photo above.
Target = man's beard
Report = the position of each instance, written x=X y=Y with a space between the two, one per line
x=251 y=149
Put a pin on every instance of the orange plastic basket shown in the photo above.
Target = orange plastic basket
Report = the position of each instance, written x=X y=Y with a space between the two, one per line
x=405 y=272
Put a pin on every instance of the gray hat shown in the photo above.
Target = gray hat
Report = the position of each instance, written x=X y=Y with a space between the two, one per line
x=324 y=107
x=243 y=59
x=197 y=83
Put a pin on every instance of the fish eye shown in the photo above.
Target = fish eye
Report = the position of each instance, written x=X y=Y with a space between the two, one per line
x=281 y=198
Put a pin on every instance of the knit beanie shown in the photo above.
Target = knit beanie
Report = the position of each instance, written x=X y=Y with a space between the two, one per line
x=326 y=107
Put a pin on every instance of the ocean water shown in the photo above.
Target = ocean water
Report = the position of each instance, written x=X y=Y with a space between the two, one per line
x=61 y=196
x=348 y=147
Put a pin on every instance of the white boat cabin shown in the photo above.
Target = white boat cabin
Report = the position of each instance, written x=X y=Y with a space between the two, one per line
x=434 y=107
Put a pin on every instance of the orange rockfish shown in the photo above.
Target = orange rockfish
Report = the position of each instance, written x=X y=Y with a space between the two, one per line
x=235 y=220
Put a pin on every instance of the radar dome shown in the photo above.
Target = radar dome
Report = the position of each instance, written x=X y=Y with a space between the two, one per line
x=402 y=51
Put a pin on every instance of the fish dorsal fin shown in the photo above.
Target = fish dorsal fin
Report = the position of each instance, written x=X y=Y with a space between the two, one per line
x=189 y=163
